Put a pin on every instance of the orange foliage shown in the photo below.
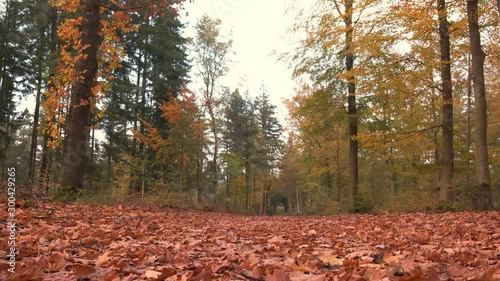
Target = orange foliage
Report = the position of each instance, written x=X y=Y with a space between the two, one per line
x=186 y=129
x=114 y=18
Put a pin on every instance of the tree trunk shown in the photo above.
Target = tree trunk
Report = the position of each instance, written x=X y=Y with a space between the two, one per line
x=485 y=197
x=265 y=192
x=337 y=156
x=34 y=132
x=447 y=99
x=86 y=69
x=351 y=104
x=44 y=178
x=468 y=130
x=142 y=174
x=247 y=184
x=45 y=166
x=92 y=148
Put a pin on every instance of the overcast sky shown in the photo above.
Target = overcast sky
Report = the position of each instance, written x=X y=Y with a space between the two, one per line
x=258 y=28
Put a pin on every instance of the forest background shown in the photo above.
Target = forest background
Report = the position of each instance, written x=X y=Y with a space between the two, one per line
x=395 y=107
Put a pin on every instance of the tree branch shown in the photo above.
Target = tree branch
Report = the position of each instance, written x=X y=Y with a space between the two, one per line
x=118 y=9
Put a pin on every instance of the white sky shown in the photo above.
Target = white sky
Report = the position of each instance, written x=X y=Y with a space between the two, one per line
x=258 y=28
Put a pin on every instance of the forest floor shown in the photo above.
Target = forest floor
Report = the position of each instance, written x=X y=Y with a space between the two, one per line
x=55 y=241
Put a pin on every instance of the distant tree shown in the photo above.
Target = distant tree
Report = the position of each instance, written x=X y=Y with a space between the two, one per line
x=269 y=145
x=240 y=134
x=180 y=149
x=212 y=59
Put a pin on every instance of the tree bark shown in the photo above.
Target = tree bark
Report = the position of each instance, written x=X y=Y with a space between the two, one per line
x=485 y=197
x=73 y=173
x=447 y=110
x=351 y=104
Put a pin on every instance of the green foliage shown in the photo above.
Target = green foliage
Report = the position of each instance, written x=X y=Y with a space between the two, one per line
x=66 y=194
x=98 y=196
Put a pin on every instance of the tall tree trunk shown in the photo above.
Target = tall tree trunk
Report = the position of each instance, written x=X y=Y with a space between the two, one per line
x=199 y=171
x=468 y=129
x=136 y=101
x=485 y=197
x=34 y=132
x=215 y=159
x=45 y=166
x=86 y=68
x=447 y=99
x=142 y=174
x=351 y=104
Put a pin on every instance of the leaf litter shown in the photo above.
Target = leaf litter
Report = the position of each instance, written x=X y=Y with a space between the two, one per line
x=81 y=242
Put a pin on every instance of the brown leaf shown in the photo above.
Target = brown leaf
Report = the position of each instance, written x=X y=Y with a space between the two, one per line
x=151 y=274
x=205 y=274
x=278 y=275
x=301 y=276
x=81 y=270
x=222 y=267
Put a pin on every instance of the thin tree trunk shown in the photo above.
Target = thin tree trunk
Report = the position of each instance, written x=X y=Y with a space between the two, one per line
x=468 y=130
x=142 y=173
x=199 y=173
x=254 y=191
x=216 y=151
x=109 y=169
x=34 y=132
x=247 y=184
x=92 y=147
x=337 y=152
x=136 y=102
x=73 y=173
x=44 y=177
x=373 y=180
x=46 y=162
x=485 y=197
x=297 y=197
x=265 y=191
x=447 y=99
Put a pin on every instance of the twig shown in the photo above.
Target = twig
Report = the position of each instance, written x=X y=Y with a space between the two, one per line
x=137 y=226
